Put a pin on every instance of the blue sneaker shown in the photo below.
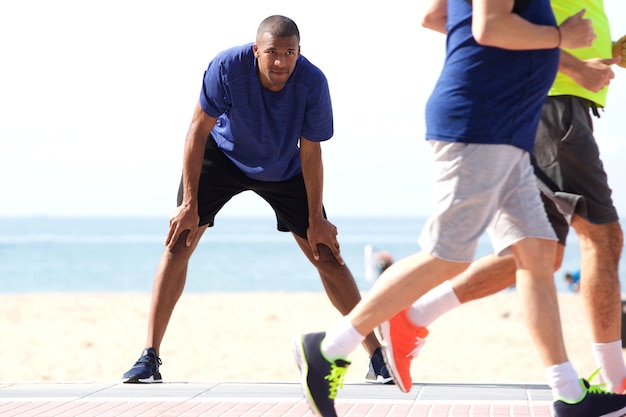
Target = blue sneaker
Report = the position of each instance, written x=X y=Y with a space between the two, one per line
x=595 y=402
x=378 y=372
x=321 y=378
x=145 y=370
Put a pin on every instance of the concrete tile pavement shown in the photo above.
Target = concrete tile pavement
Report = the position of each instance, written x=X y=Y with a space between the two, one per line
x=234 y=399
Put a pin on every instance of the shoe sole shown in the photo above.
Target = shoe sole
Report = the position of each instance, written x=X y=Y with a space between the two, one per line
x=135 y=380
x=379 y=380
x=618 y=413
x=300 y=356
x=385 y=336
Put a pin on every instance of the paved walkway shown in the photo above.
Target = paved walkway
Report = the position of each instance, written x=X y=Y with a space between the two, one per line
x=231 y=399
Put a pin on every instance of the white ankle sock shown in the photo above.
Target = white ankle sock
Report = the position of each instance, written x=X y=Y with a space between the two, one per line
x=609 y=358
x=432 y=305
x=341 y=340
x=564 y=382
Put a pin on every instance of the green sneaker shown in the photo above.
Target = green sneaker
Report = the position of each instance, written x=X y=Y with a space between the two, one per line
x=321 y=378
x=595 y=402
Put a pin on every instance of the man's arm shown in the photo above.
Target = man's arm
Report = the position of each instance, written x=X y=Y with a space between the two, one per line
x=186 y=215
x=320 y=231
x=592 y=74
x=495 y=24
x=436 y=16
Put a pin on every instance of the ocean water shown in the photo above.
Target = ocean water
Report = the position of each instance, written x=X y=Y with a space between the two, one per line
x=72 y=255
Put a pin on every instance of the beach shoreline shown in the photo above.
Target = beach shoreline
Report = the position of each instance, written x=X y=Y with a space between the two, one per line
x=247 y=337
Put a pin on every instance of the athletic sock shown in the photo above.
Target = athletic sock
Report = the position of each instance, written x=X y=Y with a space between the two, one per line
x=341 y=340
x=564 y=382
x=609 y=358
x=432 y=305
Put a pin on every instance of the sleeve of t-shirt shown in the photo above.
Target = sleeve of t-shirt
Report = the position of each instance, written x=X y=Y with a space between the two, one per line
x=318 y=118
x=213 y=100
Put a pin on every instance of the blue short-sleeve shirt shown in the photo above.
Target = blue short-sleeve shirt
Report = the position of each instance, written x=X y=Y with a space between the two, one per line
x=259 y=130
x=490 y=95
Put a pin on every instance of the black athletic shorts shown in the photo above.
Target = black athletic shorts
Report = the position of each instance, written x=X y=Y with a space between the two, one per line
x=567 y=164
x=220 y=180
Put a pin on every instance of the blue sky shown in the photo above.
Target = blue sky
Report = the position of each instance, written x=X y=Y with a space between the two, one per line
x=96 y=98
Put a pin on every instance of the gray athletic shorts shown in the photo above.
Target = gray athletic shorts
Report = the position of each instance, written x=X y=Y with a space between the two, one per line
x=568 y=167
x=482 y=188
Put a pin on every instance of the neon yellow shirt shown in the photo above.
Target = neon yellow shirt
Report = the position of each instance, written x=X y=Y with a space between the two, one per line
x=601 y=47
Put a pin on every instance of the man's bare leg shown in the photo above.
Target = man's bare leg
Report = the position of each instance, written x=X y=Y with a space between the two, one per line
x=339 y=285
x=169 y=282
x=491 y=274
x=485 y=276
x=601 y=247
x=538 y=300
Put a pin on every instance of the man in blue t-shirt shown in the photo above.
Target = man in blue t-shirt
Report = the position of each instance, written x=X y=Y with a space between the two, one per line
x=263 y=111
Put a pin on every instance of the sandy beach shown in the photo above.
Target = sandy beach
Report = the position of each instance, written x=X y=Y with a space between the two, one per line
x=246 y=337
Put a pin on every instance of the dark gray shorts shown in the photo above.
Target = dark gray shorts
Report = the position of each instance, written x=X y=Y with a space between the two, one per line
x=568 y=167
x=221 y=180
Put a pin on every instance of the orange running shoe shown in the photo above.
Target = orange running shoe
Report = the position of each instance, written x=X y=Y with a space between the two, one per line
x=401 y=342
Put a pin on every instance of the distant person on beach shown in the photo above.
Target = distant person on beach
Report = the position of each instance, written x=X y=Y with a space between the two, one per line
x=376 y=261
x=573 y=281
x=263 y=111
x=575 y=192
x=481 y=120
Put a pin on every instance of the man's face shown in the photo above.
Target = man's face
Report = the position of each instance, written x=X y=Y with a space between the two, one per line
x=276 y=58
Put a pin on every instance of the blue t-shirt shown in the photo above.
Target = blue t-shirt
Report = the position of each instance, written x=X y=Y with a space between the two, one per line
x=259 y=130
x=490 y=95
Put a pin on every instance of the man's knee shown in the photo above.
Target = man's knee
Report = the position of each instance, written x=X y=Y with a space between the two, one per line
x=326 y=255
x=180 y=251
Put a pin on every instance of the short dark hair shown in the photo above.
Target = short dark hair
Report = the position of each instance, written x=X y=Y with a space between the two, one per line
x=279 y=26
